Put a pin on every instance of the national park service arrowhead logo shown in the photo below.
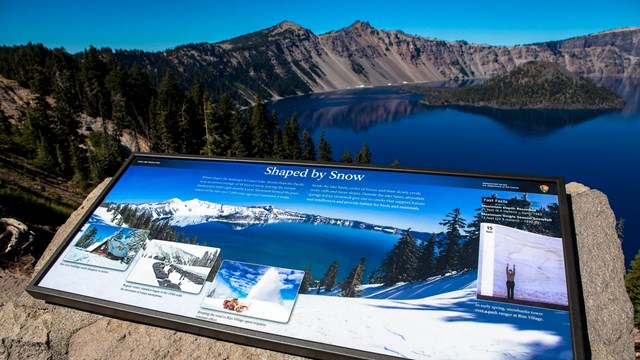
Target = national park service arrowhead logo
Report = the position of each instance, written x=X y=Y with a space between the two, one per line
x=544 y=188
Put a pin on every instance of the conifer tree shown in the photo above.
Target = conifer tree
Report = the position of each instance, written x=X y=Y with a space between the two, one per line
x=193 y=119
x=351 y=285
x=426 y=259
x=87 y=238
x=309 y=148
x=449 y=255
x=324 y=149
x=79 y=160
x=346 y=157
x=364 y=155
x=374 y=277
x=278 y=146
x=216 y=128
x=329 y=279
x=93 y=73
x=261 y=130
x=307 y=281
x=139 y=93
x=38 y=137
x=291 y=139
x=632 y=281
x=166 y=114
x=239 y=146
x=104 y=154
x=471 y=248
x=401 y=261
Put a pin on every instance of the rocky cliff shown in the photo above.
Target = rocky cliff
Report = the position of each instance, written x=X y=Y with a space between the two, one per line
x=288 y=59
x=32 y=329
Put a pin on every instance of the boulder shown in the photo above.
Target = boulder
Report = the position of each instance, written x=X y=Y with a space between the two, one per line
x=30 y=328
x=608 y=310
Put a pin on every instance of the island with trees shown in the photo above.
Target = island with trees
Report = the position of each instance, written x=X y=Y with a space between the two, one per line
x=532 y=85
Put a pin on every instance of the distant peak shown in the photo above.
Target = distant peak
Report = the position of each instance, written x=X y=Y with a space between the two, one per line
x=286 y=24
x=361 y=25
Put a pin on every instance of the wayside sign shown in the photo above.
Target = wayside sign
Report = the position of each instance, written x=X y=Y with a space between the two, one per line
x=329 y=260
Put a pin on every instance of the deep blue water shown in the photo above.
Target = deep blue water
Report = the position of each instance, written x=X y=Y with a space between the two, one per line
x=598 y=149
x=297 y=245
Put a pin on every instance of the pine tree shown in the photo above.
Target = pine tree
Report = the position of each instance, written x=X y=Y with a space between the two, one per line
x=216 y=125
x=632 y=281
x=374 y=277
x=401 y=261
x=471 y=248
x=324 y=149
x=426 y=259
x=87 y=238
x=261 y=130
x=330 y=278
x=104 y=154
x=364 y=155
x=346 y=157
x=307 y=281
x=139 y=93
x=351 y=285
x=291 y=139
x=93 y=73
x=278 y=146
x=166 y=115
x=239 y=146
x=449 y=256
x=309 y=148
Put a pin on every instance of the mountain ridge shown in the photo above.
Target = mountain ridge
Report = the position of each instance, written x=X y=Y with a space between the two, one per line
x=288 y=59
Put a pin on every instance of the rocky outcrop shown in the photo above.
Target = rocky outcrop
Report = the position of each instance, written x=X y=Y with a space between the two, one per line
x=608 y=309
x=30 y=328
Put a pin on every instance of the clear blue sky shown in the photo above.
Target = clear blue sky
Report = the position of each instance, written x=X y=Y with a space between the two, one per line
x=161 y=24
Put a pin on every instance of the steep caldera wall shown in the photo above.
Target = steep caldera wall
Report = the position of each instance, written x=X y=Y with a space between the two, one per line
x=288 y=59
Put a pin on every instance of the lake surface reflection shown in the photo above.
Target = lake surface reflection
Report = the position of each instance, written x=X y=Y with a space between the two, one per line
x=599 y=149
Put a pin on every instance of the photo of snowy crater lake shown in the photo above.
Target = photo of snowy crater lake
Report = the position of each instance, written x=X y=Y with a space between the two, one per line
x=110 y=247
x=297 y=245
x=258 y=291
x=175 y=266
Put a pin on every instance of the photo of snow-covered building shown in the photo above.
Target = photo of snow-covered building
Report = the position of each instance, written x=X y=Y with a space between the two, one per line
x=107 y=246
x=174 y=266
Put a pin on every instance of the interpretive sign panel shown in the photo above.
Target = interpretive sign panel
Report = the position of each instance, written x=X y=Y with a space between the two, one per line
x=327 y=260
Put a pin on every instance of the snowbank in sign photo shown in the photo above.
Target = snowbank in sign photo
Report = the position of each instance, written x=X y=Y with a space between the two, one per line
x=258 y=291
x=433 y=319
x=539 y=266
x=175 y=266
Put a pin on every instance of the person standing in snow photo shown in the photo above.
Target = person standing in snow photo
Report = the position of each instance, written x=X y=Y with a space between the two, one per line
x=511 y=284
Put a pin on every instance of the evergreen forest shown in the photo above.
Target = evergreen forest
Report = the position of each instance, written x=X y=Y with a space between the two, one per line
x=85 y=106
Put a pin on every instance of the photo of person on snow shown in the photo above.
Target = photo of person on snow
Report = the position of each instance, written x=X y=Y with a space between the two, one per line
x=511 y=284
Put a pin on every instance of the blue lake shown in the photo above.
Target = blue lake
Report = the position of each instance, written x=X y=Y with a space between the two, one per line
x=598 y=149
x=297 y=245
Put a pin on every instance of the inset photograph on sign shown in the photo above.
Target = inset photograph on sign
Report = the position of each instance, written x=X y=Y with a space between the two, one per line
x=517 y=266
x=259 y=291
x=107 y=246
x=174 y=266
